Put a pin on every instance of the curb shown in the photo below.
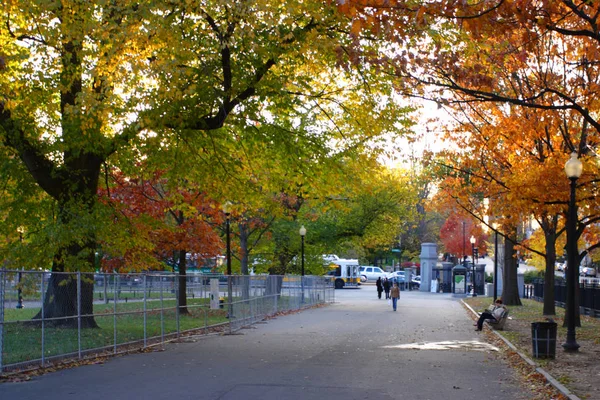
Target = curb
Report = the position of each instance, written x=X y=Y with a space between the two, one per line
x=559 y=386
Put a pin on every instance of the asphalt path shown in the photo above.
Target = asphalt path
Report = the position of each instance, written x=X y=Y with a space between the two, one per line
x=355 y=348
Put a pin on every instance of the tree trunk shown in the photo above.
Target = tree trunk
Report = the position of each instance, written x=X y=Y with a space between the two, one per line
x=71 y=180
x=577 y=303
x=274 y=285
x=549 y=299
x=76 y=194
x=244 y=259
x=61 y=297
x=510 y=289
x=182 y=292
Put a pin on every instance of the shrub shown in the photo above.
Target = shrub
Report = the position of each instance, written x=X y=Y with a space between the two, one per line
x=531 y=275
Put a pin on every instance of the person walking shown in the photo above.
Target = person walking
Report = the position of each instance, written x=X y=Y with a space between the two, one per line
x=379 y=285
x=386 y=288
x=395 y=294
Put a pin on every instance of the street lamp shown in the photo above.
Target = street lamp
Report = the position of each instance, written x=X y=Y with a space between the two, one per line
x=302 y=234
x=573 y=170
x=21 y=230
x=227 y=211
x=473 y=240
x=464 y=241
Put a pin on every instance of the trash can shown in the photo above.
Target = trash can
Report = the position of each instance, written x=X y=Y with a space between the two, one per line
x=543 y=336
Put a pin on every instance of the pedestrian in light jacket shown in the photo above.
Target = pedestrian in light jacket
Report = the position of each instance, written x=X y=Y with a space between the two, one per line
x=395 y=294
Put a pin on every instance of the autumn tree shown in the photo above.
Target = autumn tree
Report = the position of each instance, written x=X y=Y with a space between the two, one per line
x=161 y=220
x=89 y=84
x=368 y=215
x=537 y=58
x=518 y=168
x=455 y=232
x=58 y=115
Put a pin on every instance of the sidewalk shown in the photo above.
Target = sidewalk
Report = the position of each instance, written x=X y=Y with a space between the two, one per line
x=356 y=348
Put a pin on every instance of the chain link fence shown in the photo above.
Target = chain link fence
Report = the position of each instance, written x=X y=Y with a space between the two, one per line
x=50 y=317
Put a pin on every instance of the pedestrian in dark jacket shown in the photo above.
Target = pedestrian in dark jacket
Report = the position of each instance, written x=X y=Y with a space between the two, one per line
x=386 y=288
x=379 y=285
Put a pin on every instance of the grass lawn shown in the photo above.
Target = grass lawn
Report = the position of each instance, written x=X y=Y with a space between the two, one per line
x=23 y=340
x=579 y=370
x=531 y=311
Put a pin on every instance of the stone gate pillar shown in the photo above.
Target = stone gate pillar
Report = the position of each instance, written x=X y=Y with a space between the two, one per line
x=428 y=261
x=500 y=268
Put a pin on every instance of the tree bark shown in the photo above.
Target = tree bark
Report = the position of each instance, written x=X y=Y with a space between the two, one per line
x=76 y=193
x=549 y=281
x=61 y=297
x=510 y=289
x=182 y=277
x=274 y=285
x=244 y=259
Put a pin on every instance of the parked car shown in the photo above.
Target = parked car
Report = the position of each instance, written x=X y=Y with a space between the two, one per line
x=587 y=271
x=370 y=273
x=416 y=280
x=398 y=276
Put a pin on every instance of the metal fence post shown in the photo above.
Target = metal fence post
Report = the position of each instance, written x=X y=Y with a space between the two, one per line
x=253 y=311
x=145 y=310
x=177 y=305
x=229 y=301
x=2 y=287
x=105 y=286
x=162 y=319
x=115 y=295
x=43 y=318
x=79 y=314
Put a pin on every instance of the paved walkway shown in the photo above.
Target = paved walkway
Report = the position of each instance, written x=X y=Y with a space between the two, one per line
x=357 y=348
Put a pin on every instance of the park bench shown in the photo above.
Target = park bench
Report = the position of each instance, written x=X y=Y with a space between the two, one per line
x=498 y=324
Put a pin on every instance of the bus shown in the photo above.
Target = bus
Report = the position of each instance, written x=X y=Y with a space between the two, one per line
x=343 y=272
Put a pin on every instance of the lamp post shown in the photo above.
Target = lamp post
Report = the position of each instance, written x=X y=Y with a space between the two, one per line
x=227 y=211
x=20 y=229
x=473 y=240
x=573 y=170
x=302 y=234
x=464 y=242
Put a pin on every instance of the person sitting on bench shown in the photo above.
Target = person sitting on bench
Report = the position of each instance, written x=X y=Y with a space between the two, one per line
x=495 y=313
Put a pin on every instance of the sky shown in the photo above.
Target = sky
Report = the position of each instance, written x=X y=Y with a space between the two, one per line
x=427 y=131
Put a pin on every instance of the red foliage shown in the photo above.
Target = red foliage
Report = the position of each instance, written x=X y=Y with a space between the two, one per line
x=169 y=220
x=456 y=240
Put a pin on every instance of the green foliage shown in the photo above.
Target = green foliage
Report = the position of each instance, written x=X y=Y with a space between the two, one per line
x=489 y=278
x=253 y=104
x=530 y=276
